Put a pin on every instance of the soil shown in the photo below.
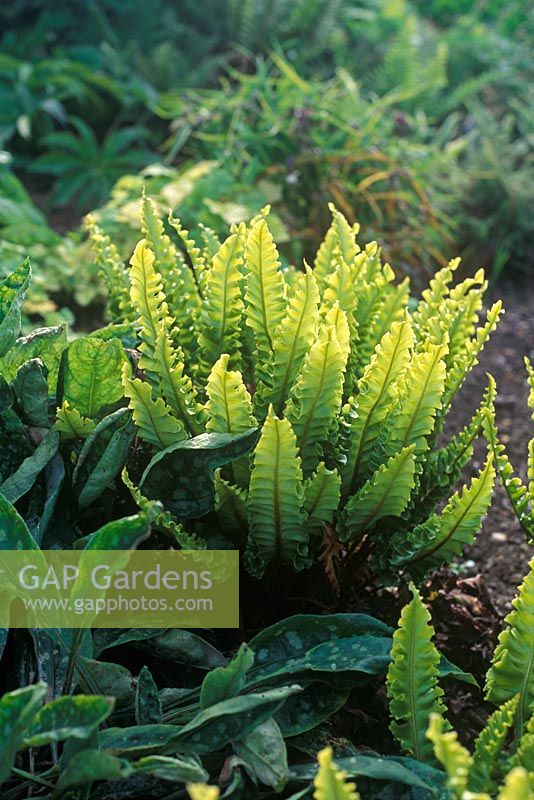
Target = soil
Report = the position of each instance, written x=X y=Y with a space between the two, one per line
x=501 y=552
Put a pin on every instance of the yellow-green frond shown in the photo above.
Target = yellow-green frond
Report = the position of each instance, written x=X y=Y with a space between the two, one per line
x=330 y=782
x=153 y=418
x=71 y=424
x=454 y=758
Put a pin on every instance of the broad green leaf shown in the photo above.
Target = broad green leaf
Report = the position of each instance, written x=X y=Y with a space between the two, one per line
x=174 y=770
x=181 y=476
x=44 y=343
x=17 y=710
x=14 y=533
x=18 y=484
x=138 y=741
x=224 y=682
x=265 y=754
x=315 y=705
x=67 y=717
x=91 y=765
x=90 y=376
x=12 y=292
x=121 y=534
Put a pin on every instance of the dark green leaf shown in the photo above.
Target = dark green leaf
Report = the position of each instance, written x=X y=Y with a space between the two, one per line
x=369 y=765
x=176 y=770
x=183 y=647
x=103 y=456
x=31 y=390
x=110 y=679
x=91 y=765
x=138 y=741
x=316 y=704
x=17 y=710
x=121 y=534
x=147 y=702
x=44 y=343
x=54 y=475
x=18 y=484
x=14 y=534
x=265 y=753
x=181 y=476
x=224 y=682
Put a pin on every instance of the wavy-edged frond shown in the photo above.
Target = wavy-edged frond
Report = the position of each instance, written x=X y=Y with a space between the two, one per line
x=489 y=746
x=292 y=341
x=419 y=400
x=277 y=531
x=385 y=494
x=443 y=536
x=324 y=262
x=265 y=296
x=148 y=299
x=442 y=467
x=113 y=272
x=524 y=754
x=229 y=406
x=336 y=318
x=153 y=418
x=468 y=358
x=154 y=232
x=412 y=679
x=517 y=492
x=330 y=782
x=194 y=252
x=461 y=310
x=321 y=497
x=222 y=309
x=71 y=424
x=512 y=666
x=229 y=410
x=176 y=387
x=530 y=380
x=345 y=234
x=163 y=520
x=316 y=396
x=454 y=758
x=517 y=786
x=392 y=310
x=211 y=241
x=430 y=305
x=201 y=791
x=365 y=413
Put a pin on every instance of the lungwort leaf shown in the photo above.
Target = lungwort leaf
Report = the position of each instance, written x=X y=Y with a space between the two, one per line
x=17 y=710
x=67 y=717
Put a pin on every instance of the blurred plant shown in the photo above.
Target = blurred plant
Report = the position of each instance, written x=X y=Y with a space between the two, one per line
x=86 y=170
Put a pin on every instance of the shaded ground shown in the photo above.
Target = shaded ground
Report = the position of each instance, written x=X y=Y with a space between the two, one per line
x=501 y=553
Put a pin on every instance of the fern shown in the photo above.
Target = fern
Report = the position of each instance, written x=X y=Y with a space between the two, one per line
x=222 y=309
x=316 y=396
x=112 y=271
x=71 y=424
x=276 y=498
x=386 y=493
x=489 y=746
x=444 y=535
x=331 y=782
x=412 y=684
x=292 y=341
x=153 y=417
x=451 y=755
x=321 y=498
x=517 y=786
x=512 y=667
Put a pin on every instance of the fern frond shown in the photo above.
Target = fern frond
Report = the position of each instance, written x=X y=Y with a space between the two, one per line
x=158 y=241
x=430 y=305
x=468 y=358
x=265 y=296
x=229 y=406
x=524 y=755
x=443 y=536
x=292 y=341
x=222 y=309
x=71 y=424
x=454 y=758
x=517 y=492
x=488 y=747
x=321 y=498
x=153 y=418
x=512 y=667
x=275 y=505
x=517 y=786
x=412 y=679
x=419 y=400
x=149 y=300
x=231 y=505
x=316 y=396
x=193 y=251
x=201 y=791
x=392 y=310
x=386 y=493
x=365 y=413
x=530 y=380
x=345 y=234
x=113 y=272
x=323 y=264
x=336 y=318
x=176 y=387
x=330 y=782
